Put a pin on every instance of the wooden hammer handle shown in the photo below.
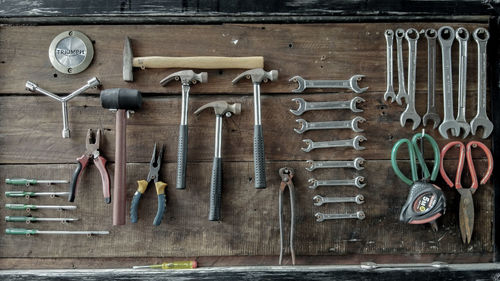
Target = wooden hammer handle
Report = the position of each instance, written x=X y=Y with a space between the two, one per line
x=206 y=62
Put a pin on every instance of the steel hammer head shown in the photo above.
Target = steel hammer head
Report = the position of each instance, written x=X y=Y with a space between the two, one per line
x=221 y=107
x=127 y=61
x=120 y=98
x=186 y=77
x=257 y=75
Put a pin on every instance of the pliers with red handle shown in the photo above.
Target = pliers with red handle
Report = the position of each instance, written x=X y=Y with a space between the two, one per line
x=92 y=151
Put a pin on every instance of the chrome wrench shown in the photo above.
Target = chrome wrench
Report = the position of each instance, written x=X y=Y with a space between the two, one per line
x=410 y=112
x=400 y=33
x=351 y=83
x=446 y=35
x=325 y=125
x=360 y=215
x=357 y=181
x=431 y=114
x=354 y=143
x=324 y=105
x=481 y=36
x=462 y=36
x=357 y=164
x=389 y=93
x=320 y=200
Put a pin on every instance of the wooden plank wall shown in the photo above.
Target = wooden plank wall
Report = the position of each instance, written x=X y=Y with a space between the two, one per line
x=31 y=146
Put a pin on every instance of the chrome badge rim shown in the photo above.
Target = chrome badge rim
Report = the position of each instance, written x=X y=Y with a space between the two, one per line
x=71 y=52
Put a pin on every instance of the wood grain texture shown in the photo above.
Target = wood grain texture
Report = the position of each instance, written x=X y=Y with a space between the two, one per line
x=314 y=51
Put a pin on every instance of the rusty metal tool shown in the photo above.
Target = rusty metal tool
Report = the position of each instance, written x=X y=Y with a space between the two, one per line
x=286 y=175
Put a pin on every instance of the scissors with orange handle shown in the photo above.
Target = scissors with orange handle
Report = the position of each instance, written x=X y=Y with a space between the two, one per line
x=466 y=208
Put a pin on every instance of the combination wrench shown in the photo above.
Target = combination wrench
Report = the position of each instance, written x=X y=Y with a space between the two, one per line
x=431 y=114
x=325 y=105
x=410 y=112
x=481 y=36
x=320 y=200
x=325 y=125
x=389 y=93
x=351 y=84
x=357 y=164
x=400 y=33
x=357 y=181
x=360 y=215
x=446 y=35
x=462 y=36
x=354 y=143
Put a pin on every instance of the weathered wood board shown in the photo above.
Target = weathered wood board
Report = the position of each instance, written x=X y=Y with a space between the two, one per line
x=31 y=146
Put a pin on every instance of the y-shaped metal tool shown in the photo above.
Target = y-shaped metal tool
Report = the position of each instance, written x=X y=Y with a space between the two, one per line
x=286 y=175
x=431 y=114
x=32 y=87
x=462 y=36
x=481 y=36
x=351 y=84
x=389 y=93
x=258 y=75
x=186 y=77
x=410 y=112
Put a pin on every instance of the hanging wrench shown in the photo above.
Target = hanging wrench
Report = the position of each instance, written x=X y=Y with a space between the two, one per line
x=351 y=84
x=347 y=124
x=358 y=182
x=446 y=35
x=400 y=33
x=410 y=112
x=462 y=36
x=389 y=93
x=360 y=215
x=354 y=143
x=357 y=164
x=323 y=105
x=320 y=200
x=481 y=36
x=431 y=113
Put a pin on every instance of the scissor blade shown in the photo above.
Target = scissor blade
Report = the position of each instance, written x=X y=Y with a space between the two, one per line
x=466 y=213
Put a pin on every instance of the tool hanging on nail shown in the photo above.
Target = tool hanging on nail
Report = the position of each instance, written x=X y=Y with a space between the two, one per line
x=154 y=168
x=28 y=182
x=326 y=105
x=29 y=194
x=221 y=109
x=29 y=232
x=32 y=87
x=425 y=202
x=286 y=175
x=258 y=76
x=351 y=84
x=35 y=219
x=466 y=211
x=37 y=207
x=91 y=152
x=186 y=77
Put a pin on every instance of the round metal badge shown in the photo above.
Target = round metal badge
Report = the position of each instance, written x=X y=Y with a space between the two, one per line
x=71 y=52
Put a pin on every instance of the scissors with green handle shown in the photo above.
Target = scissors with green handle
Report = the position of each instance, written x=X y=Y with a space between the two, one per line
x=416 y=154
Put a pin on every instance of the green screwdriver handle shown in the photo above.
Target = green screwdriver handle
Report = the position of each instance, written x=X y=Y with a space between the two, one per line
x=19 y=219
x=20 y=231
x=20 y=181
x=20 y=207
x=19 y=193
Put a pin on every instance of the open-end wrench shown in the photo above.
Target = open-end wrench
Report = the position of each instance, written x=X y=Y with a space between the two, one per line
x=481 y=36
x=446 y=36
x=360 y=215
x=389 y=93
x=325 y=125
x=462 y=36
x=357 y=164
x=354 y=143
x=410 y=112
x=358 y=182
x=320 y=200
x=323 y=105
x=431 y=114
x=400 y=33
x=351 y=84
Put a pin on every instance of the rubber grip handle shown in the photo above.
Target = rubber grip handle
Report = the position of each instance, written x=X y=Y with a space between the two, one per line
x=134 y=206
x=161 y=209
x=20 y=181
x=182 y=157
x=20 y=231
x=100 y=163
x=20 y=207
x=74 y=181
x=215 y=190
x=259 y=158
x=19 y=219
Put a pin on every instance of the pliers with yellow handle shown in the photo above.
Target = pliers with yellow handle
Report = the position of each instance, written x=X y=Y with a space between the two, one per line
x=154 y=168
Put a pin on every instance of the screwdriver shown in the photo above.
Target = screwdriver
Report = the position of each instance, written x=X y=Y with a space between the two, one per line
x=36 y=207
x=31 y=219
x=171 y=265
x=28 y=232
x=28 y=194
x=29 y=182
